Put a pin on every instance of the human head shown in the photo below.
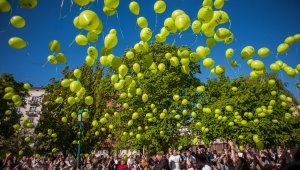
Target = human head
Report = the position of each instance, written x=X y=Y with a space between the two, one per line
x=158 y=156
x=174 y=152
x=188 y=153
x=123 y=162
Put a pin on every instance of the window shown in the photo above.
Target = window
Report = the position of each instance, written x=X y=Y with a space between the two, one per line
x=32 y=109
x=35 y=98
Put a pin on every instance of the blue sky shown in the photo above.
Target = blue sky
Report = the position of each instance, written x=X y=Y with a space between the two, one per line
x=260 y=23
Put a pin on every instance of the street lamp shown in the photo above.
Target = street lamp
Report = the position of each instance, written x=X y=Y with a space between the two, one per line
x=80 y=119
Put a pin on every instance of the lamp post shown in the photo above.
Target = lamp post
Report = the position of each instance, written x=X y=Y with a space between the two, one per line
x=80 y=135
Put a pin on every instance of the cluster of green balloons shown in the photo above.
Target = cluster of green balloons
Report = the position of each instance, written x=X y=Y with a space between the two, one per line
x=178 y=21
x=88 y=20
x=92 y=56
x=26 y=123
x=282 y=48
x=111 y=39
x=54 y=47
x=11 y=95
x=17 y=21
x=110 y=7
x=75 y=87
x=243 y=119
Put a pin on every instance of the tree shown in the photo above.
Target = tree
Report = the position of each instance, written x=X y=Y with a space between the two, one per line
x=9 y=116
x=67 y=133
x=242 y=108
x=149 y=117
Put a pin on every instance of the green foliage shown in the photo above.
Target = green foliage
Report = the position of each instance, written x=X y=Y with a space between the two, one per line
x=96 y=86
x=7 y=132
x=160 y=86
x=250 y=96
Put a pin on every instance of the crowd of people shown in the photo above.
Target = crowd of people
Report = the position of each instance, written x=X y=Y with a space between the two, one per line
x=199 y=159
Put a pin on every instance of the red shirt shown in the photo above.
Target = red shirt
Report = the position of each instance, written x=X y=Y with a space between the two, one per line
x=122 y=167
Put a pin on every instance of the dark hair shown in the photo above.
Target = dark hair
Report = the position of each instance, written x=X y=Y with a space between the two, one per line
x=242 y=164
x=202 y=158
x=297 y=155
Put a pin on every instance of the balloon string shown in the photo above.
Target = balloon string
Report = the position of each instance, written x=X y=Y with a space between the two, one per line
x=70 y=10
x=155 y=22
x=174 y=41
x=73 y=40
x=44 y=65
x=196 y=39
x=231 y=68
x=120 y=25
x=276 y=56
x=61 y=6
x=71 y=6
x=71 y=43
x=180 y=35
x=239 y=67
x=28 y=49
x=229 y=24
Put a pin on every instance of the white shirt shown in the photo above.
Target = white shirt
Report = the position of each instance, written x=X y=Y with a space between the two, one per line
x=206 y=167
x=174 y=161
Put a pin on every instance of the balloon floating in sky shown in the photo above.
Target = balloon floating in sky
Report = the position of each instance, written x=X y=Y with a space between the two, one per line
x=81 y=40
x=263 y=52
x=111 y=39
x=82 y=2
x=218 y=4
x=247 y=52
x=160 y=7
x=182 y=22
x=112 y=3
x=16 y=42
x=5 y=6
x=60 y=57
x=28 y=3
x=134 y=7
x=282 y=48
x=142 y=22
x=17 y=21
x=145 y=34
x=54 y=46
x=89 y=21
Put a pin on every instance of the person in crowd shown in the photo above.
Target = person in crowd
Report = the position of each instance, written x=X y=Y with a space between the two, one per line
x=190 y=161
x=230 y=158
x=144 y=164
x=203 y=162
x=123 y=165
x=161 y=162
x=174 y=161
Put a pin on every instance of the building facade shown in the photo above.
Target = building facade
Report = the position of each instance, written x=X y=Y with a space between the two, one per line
x=33 y=106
